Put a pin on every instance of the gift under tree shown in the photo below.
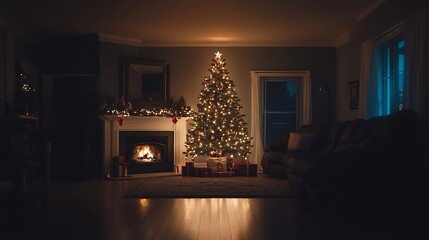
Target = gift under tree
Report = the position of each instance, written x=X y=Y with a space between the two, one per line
x=218 y=128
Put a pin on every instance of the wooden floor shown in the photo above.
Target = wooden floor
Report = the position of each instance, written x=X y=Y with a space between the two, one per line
x=96 y=209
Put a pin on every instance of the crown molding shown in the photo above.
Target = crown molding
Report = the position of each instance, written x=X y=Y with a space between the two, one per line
x=370 y=8
x=119 y=40
x=341 y=40
x=345 y=37
x=228 y=44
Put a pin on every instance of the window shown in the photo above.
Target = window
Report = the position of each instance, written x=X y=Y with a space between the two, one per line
x=282 y=113
x=390 y=75
x=392 y=67
x=279 y=107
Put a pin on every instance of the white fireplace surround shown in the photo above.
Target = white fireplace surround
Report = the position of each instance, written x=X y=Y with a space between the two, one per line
x=137 y=123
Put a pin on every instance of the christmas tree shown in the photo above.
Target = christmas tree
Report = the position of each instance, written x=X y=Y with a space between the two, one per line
x=218 y=128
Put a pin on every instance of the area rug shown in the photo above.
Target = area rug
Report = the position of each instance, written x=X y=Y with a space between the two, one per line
x=211 y=187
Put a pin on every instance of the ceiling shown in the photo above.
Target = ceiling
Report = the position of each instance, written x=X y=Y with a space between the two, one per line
x=193 y=22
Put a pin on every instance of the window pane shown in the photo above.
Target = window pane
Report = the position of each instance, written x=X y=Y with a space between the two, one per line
x=279 y=114
x=386 y=82
x=400 y=90
x=384 y=78
x=391 y=76
x=278 y=125
x=281 y=96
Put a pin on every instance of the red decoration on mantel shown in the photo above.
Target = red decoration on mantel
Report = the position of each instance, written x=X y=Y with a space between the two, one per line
x=174 y=120
x=120 y=120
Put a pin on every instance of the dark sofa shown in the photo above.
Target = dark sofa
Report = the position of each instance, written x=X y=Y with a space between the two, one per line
x=374 y=162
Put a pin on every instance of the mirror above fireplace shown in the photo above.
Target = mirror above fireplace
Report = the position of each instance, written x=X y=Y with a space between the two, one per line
x=145 y=83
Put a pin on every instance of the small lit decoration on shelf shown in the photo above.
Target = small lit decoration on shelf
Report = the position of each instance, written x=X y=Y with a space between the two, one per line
x=25 y=94
x=218 y=128
x=24 y=83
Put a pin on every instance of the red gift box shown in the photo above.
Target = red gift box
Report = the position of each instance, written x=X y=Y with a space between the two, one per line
x=244 y=168
x=119 y=167
x=202 y=172
x=117 y=172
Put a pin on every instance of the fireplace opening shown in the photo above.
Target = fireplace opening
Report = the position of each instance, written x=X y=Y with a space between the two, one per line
x=147 y=151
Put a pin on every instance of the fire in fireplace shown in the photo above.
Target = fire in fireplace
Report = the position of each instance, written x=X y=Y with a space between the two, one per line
x=147 y=151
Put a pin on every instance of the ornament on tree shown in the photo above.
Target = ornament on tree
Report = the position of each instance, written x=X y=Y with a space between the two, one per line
x=218 y=114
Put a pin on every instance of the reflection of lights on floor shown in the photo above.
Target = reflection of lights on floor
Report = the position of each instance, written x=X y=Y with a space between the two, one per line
x=231 y=216
x=144 y=202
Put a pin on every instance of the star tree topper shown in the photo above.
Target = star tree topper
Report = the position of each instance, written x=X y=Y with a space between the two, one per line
x=218 y=55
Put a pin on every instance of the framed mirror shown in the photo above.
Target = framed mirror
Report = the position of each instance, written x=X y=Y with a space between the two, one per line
x=146 y=83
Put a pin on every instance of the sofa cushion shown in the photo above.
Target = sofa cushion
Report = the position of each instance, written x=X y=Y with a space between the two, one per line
x=320 y=132
x=300 y=141
x=334 y=135
x=351 y=131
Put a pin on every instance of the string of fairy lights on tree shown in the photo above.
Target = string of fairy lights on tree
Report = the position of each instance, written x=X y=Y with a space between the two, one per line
x=218 y=128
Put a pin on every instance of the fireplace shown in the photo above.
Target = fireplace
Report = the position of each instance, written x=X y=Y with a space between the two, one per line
x=147 y=151
x=112 y=143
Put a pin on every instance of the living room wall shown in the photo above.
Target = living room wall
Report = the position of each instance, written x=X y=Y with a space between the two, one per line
x=348 y=56
x=189 y=66
x=6 y=69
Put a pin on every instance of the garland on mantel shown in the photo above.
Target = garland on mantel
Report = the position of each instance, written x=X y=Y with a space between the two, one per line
x=122 y=108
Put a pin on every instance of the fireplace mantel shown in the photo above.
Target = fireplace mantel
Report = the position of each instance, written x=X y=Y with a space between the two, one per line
x=137 y=123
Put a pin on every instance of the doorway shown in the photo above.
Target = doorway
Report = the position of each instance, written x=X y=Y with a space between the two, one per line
x=70 y=116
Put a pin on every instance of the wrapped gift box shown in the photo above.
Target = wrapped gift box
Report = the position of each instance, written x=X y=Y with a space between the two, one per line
x=216 y=164
x=189 y=164
x=188 y=171
x=119 y=167
x=200 y=164
x=245 y=169
x=202 y=172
